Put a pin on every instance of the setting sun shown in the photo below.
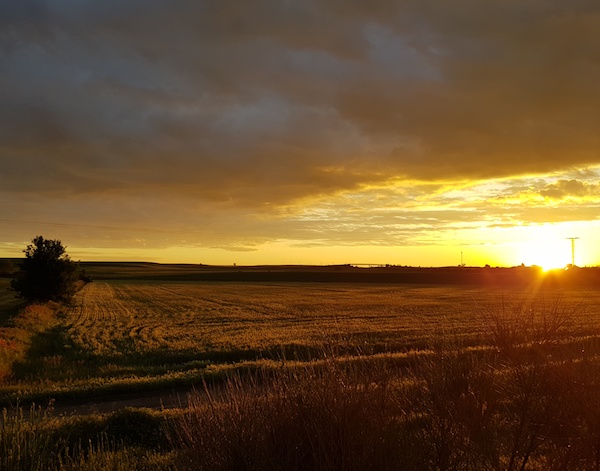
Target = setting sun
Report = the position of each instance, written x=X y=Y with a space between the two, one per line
x=547 y=254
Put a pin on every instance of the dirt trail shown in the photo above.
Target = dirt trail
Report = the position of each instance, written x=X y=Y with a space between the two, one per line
x=157 y=399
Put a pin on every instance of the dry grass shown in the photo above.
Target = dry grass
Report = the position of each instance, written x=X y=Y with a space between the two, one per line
x=142 y=335
x=456 y=409
x=213 y=321
x=17 y=337
x=127 y=440
x=319 y=377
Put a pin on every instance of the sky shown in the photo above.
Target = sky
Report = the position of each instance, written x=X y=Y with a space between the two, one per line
x=419 y=132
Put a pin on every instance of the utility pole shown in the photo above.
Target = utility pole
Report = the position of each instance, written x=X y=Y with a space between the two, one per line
x=572 y=239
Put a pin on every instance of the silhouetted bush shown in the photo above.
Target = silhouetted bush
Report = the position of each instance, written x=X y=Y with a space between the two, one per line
x=46 y=274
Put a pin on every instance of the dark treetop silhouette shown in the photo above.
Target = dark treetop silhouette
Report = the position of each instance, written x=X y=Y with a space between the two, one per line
x=46 y=274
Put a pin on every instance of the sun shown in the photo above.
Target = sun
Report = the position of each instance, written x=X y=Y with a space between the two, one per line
x=547 y=254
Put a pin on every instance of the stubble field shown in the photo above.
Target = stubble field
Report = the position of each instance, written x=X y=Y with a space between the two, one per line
x=135 y=335
x=317 y=376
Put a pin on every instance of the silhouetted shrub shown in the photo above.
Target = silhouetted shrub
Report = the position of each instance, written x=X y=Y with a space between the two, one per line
x=46 y=274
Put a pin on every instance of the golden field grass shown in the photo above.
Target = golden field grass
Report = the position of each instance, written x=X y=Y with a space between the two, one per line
x=164 y=323
x=132 y=335
x=299 y=376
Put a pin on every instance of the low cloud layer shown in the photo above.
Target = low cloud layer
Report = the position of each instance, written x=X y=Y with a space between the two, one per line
x=188 y=113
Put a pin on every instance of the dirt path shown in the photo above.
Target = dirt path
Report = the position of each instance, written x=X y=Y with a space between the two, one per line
x=157 y=399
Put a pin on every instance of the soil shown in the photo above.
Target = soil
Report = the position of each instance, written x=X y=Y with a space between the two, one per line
x=156 y=399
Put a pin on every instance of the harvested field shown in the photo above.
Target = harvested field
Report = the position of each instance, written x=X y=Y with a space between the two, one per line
x=127 y=335
x=420 y=375
x=210 y=320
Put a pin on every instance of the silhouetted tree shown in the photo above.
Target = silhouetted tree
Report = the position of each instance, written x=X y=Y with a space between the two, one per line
x=47 y=273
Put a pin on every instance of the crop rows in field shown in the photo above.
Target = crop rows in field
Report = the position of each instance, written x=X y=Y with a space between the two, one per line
x=128 y=334
x=194 y=320
x=118 y=319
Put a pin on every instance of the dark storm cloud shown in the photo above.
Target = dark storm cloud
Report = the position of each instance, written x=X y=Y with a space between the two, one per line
x=262 y=102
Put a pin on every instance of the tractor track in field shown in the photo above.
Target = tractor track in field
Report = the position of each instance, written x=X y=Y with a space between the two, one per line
x=160 y=399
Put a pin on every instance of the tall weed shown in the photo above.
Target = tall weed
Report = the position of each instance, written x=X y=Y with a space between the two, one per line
x=39 y=441
x=514 y=404
x=324 y=417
